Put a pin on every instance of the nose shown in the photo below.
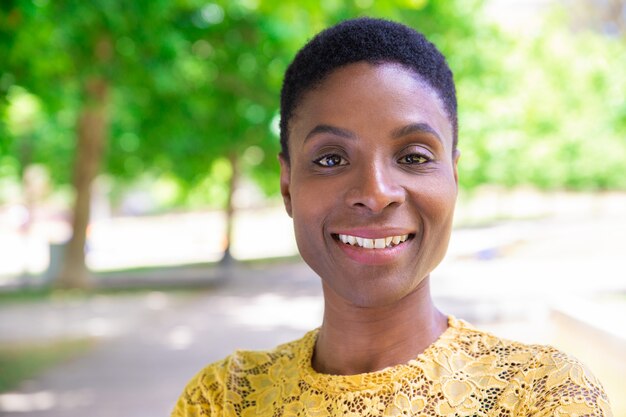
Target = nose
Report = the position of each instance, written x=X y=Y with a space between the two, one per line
x=374 y=188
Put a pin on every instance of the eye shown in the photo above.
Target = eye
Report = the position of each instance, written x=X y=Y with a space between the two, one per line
x=331 y=160
x=414 y=159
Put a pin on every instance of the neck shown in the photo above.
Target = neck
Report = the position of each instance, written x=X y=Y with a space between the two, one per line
x=354 y=340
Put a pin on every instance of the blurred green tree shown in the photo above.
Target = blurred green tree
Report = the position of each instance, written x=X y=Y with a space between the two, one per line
x=145 y=75
x=167 y=86
x=550 y=111
x=75 y=55
x=188 y=90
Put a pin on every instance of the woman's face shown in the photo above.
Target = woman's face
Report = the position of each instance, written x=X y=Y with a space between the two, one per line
x=372 y=182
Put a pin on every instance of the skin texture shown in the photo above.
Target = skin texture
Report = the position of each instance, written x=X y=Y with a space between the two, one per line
x=371 y=155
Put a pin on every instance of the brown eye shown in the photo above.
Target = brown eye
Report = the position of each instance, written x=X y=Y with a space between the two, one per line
x=413 y=159
x=332 y=160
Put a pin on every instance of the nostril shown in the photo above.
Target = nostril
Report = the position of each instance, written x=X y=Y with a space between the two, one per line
x=374 y=190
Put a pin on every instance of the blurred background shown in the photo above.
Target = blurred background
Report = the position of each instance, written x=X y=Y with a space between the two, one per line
x=142 y=235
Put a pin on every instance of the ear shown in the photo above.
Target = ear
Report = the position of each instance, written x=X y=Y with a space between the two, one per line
x=456 y=154
x=285 y=182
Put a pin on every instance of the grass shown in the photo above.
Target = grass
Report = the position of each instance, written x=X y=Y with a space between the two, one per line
x=23 y=361
x=47 y=294
x=25 y=295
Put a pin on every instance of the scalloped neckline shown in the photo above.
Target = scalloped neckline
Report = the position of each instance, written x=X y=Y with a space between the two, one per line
x=369 y=380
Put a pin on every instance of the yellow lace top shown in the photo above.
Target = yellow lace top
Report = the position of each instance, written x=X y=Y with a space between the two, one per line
x=466 y=372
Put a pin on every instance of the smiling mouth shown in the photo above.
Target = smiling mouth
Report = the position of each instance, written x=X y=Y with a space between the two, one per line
x=380 y=243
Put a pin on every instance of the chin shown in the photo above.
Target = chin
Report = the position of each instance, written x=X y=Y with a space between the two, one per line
x=377 y=294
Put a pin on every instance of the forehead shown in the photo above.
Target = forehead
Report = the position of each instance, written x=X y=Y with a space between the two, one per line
x=364 y=96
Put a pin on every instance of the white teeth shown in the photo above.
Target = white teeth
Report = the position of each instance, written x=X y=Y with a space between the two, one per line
x=380 y=243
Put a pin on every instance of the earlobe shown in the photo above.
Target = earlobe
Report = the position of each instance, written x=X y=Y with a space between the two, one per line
x=285 y=182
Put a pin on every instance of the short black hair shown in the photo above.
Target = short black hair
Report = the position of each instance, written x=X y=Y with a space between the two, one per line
x=375 y=41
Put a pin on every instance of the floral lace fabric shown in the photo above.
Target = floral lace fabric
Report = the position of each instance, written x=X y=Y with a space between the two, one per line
x=466 y=372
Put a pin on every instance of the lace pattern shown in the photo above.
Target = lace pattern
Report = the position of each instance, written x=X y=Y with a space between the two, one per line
x=466 y=372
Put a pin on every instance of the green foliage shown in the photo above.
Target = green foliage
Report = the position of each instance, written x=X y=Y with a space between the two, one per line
x=553 y=119
x=194 y=81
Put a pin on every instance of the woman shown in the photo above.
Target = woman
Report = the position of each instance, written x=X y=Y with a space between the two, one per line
x=369 y=176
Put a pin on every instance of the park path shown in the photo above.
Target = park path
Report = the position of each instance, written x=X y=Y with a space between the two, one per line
x=142 y=369
x=152 y=343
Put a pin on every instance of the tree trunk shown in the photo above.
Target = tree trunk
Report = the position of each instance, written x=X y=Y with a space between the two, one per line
x=26 y=158
x=228 y=259
x=91 y=138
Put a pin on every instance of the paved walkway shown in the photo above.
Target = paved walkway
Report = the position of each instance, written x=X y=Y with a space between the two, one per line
x=165 y=339
x=152 y=343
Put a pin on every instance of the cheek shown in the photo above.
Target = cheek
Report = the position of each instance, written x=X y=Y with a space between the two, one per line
x=309 y=233
x=312 y=204
x=435 y=207
x=308 y=210
x=312 y=197
x=437 y=201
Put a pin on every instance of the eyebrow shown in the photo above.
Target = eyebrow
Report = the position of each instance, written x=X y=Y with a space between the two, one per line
x=337 y=131
x=415 y=128
x=396 y=133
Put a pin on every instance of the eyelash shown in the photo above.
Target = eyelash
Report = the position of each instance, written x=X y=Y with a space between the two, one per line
x=319 y=160
x=423 y=159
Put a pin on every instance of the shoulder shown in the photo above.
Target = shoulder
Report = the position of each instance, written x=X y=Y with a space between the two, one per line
x=224 y=382
x=203 y=394
x=535 y=379
x=562 y=385
x=479 y=342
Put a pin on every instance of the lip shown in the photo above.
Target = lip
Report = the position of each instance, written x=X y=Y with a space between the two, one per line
x=373 y=233
x=373 y=256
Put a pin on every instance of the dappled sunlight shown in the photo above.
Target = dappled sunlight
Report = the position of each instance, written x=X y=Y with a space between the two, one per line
x=264 y=234
x=166 y=240
x=170 y=239
x=268 y=311
x=100 y=317
x=157 y=300
x=37 y=401
x=45 y=400
x=180 y=338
